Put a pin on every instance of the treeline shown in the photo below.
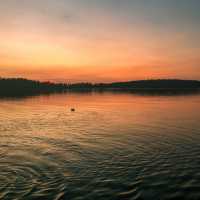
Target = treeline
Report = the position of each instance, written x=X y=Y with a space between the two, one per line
x=157 y=84
x=24 y=87
x=164 y=84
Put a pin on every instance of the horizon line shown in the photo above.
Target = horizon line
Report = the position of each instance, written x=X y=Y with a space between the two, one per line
x=88 y=82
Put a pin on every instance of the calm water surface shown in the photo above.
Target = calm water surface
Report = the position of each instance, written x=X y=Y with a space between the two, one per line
x=115 y=146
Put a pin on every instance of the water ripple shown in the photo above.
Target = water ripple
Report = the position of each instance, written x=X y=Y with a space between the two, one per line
x=25 y=175
x=121 y=148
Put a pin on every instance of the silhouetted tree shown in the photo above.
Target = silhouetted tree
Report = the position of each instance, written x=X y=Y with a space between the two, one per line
x=24 y=87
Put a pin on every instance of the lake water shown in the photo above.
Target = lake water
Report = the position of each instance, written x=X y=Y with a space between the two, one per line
x=114 y=146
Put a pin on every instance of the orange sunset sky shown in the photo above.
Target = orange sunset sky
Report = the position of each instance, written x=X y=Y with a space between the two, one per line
x=100 y=40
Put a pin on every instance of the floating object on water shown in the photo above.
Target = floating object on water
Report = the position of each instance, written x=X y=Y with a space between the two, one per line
x=72 y=109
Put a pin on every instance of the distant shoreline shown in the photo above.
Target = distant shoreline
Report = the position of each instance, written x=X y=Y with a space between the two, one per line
x=18 y=87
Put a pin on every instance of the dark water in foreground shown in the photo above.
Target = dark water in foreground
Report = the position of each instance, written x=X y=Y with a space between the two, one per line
x=115 y=146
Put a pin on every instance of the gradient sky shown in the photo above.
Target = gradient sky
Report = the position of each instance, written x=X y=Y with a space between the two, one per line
x=100 y=40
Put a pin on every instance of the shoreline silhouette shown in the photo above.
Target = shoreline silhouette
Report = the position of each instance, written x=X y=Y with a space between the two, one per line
x=19 y=87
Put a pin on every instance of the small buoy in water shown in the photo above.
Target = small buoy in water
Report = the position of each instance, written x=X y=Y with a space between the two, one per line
x=72 y=109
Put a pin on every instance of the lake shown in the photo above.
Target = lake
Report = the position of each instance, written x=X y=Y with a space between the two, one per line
x=114 y=146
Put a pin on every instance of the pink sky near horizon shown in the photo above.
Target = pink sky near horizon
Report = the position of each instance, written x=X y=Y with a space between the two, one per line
x=40 y=41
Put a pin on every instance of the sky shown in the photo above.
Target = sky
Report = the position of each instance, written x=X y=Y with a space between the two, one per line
x=100 y=40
